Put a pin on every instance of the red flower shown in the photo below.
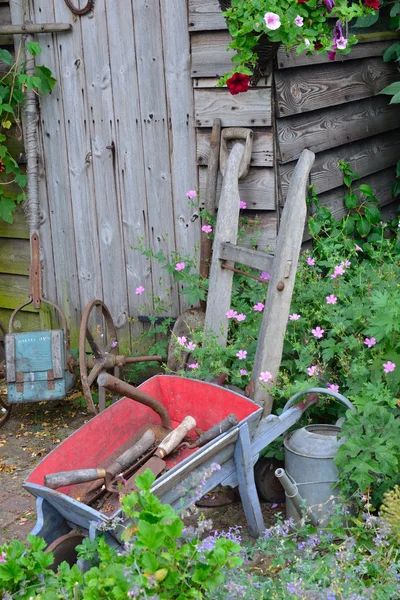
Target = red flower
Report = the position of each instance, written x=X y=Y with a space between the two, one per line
x=375 y=4
x=302 y=1
x=238 y=83
x=317 y=45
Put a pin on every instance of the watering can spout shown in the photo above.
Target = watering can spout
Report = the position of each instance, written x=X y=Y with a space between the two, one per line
x=291 y=491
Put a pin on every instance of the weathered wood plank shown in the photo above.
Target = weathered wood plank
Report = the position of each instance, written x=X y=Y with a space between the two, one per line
x=155 y=123
x=260 y=232
x=262 y=153
x=323 y=129
x=14 y=290
x=210 y=56
x=182 y=134
x=320 y=86
x=14 y=256
x=24 y=321
x=252 y=109
x=257 y=189
x=5 y=19
x=19 y=227
x=365 y=157
x=211 y=82
x=289 y=59
x=205 y=15
x=246 y=256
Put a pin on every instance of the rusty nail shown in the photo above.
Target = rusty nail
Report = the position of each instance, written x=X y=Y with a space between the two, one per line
x=280 y=286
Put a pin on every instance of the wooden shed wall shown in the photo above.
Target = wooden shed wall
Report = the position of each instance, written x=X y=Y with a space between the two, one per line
x=329 y=107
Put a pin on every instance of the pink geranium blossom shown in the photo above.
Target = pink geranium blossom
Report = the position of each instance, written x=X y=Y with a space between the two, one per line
x=190 y=346
x=333 y=387
x=193 y=365
x=331 y=299
x=114 y=344
x=3 y=557
x=310 y=261
x=369 y=342
x=265 y=376
x=294 y=317
x=265 y=275
x=339 y=270
x=243 y=204
x=389 y=367
x=182 y=340
x=231 y=314
x=241 y=317
x=345 y=264
x=241 y=354
x=318 y=332
x=312 y=370
x=358 y=249
x=258 y=307
x=139 y=290
x=243 y=371
x=191 y=194
x=207 y=228
x=180 y=266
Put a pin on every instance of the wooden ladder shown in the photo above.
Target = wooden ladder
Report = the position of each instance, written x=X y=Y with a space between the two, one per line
x=282 y=265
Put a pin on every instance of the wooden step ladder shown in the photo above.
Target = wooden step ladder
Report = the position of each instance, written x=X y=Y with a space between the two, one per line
x=282 y=265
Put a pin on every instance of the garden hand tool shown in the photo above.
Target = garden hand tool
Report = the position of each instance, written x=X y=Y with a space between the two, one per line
x=64 y=478
x=214 y=431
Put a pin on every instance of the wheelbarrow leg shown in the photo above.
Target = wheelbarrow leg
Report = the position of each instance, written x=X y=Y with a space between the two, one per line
x=247 y=486
x=50 y=524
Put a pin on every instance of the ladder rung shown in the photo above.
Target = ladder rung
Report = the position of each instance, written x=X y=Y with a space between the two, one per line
x=246 y=256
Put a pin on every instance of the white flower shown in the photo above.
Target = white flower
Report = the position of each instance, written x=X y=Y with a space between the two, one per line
x=272 y=20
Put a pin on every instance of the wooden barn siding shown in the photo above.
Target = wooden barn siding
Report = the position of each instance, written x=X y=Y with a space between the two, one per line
x=136 y=97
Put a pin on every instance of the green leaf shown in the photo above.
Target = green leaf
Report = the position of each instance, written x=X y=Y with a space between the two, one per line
x=347 y=180
x=366 y=190
x=391 y=52
x=6 y=56
x=314 y=226
x=47 y=80
x=395 y=99
x=398 y=169
x=145 y=481
x=367 y=21
x=373 y=214
x=392 y=89
x=363 y=227
x=348 y=226
x=396 y=189
x=350 y=201
x=7 y=207
x=34 y=48
x=149 y=562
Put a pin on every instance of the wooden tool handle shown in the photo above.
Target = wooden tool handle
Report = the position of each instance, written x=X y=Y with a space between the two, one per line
x=216 y=430
x=174 y=438
x=63 y=478
x=129 y=456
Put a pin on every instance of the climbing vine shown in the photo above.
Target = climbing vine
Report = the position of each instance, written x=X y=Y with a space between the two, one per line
x=13 y=85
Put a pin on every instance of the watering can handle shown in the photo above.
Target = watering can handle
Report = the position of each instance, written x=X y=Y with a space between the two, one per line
x=323 y=391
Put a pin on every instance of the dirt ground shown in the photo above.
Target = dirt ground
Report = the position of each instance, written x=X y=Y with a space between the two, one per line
x=31 y=432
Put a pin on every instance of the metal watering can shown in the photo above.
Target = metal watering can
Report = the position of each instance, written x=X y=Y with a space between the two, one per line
x=311 y=473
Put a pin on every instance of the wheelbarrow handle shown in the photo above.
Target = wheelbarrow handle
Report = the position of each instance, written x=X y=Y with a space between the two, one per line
x=214 y=431
x=322 y=391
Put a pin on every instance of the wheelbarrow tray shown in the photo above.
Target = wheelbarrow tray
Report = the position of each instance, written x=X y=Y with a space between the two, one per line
x=98 y=439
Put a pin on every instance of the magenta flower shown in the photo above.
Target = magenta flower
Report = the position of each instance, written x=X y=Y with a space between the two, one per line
x=114 y=344
x=369 y=342
x=191 y=194
x=318 y=332
x=294 y=317
x=122 y=479
x=310 y=261
x=3 y=557
x=389 y=367
x=331 y=299
x=299 y=21
x=231 y=314
x=243 y=204
x=358 y=249
x=139 y=290
x=272 y=21
x=258 y=307
x=312 y=370
x=265 y=376
x=243 y=371
x=207 y=228
x=180 y=266
x=341 y=43
x=339 y=270
x=345 y=264
x=333 y=387
x=182 y=340
x=241 y=354
x=329 y=4
x=193 y=365
x=265 y=275
x=241 y=317
x=190 y=346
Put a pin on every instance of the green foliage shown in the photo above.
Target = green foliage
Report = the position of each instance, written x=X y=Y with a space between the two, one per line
x=12 y=97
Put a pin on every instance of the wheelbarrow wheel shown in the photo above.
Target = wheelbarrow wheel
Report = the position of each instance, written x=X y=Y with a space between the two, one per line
x=5 y=411
x=268 y=486
x=97 y=340
x=5 y=407
x=64 y=549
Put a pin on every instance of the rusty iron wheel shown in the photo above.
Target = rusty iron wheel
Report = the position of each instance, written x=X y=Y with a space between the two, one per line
x=97 y=340
x=64 y=548
x=5 y=407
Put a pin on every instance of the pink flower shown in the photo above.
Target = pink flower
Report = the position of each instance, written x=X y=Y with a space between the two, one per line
x=265 y=275
x=345 y=263
x=299 y=21
x=318 y=332
x=180 y=266
x=231 y=314
x=294 y=317
x=191 y=194
x=331 y=299
x=114 y=344
x=207 y=228
x=241 y=354
x=312 y=370
x=258 y=307
x=272 y=21
x=3 y=557
x=333 y=387
x=182 y=340
x=339 y=270
x=243 y=204
x=265 y=376
x=341 y=43
x=190 y=346
x=370 y=342
x=243 y=371
x=358 y=249
x=389 y=367
x=122 y=479
x=193 y=365
x=139 y=290
x=310 y=261
x=241 y=317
